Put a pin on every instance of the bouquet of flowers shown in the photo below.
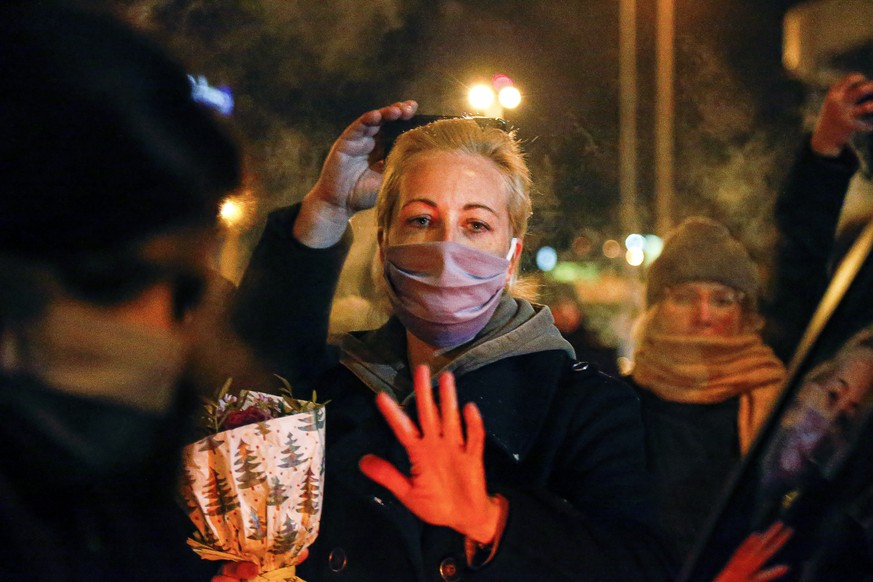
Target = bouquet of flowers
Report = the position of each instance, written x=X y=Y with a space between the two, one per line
x=253 y=486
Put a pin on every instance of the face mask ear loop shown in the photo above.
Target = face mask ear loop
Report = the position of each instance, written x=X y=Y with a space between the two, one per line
x=512 y=244
x=514 y=276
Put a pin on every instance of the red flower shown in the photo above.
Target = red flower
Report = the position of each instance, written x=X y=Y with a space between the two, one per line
x=245 y=416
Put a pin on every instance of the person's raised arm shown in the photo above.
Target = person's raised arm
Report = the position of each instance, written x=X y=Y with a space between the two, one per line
x=348 y=181
x=844 y=112
x=282 y=306
x=808 y=210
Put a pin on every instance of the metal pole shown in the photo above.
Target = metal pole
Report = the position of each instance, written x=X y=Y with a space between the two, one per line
x=664 y=114
x=627 y=139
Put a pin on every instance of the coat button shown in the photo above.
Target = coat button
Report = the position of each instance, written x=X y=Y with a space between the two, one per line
x=580 y=366
x=449 y=570
x=337 y=560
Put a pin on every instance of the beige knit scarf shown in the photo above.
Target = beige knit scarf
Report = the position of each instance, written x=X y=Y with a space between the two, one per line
x=701 y=370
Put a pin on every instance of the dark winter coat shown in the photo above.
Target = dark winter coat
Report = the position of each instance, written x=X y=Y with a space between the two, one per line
x=691 y=450
x=564 y=447
x=69 y=513
x=807 y=213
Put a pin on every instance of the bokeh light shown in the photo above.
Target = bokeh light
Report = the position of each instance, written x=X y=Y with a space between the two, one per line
x=634 y=257
x=500 y=80
x=582 y=245
x=546 y=258
x=654 y=246
x=635 y=241
x=611 y=249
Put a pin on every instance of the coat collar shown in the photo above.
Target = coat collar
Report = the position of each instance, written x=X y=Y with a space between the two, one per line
x=514 y=396
x=511 y=371
x=518 y=329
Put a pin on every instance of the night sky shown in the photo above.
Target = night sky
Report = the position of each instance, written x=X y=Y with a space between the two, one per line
x=302 y=70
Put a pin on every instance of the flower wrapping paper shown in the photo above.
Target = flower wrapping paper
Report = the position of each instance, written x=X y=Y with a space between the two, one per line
x=255 y=492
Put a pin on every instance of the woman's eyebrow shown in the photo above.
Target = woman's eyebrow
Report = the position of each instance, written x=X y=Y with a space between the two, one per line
x=470 y=206
x=427 y=201
x=474 y=205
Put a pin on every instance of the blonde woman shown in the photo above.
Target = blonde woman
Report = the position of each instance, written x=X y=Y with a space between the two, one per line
x=546 y=481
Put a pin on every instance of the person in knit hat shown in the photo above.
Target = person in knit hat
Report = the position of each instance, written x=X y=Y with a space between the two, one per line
x=705 y=379
x=701 y=249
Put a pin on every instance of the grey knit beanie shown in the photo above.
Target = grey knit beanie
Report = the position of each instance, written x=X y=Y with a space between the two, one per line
x=701 y=249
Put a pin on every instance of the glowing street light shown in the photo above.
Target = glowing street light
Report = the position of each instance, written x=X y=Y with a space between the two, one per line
x=231 y=212
x=492 y=98
x=235 y=213
x=509 y=97
x=481 y=97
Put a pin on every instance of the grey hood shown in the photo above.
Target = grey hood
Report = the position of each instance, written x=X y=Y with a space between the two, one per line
x=378 y=357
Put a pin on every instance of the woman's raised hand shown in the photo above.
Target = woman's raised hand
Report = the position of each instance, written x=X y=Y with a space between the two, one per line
x=349 y=180
x=446 y=486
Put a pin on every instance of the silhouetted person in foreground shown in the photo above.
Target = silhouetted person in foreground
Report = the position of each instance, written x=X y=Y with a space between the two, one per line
x=111 y=176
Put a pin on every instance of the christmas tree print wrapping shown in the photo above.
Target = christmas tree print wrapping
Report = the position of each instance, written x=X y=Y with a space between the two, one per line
x=254 y=493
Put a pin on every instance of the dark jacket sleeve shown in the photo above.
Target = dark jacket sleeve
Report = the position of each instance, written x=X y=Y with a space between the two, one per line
x=282 y=307
x=807 y=212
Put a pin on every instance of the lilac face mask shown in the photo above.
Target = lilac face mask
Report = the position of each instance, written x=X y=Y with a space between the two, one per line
x=444 y=292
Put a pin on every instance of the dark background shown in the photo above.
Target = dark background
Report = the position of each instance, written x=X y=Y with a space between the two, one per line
x=301 y=71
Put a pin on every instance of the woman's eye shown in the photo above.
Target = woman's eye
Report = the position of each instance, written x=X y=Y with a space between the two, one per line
x=477 y=226
x=419 y=221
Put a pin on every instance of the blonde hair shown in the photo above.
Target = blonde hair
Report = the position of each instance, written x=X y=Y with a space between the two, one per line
x=462 y=135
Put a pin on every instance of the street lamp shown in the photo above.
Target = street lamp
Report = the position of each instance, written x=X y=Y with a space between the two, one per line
x=235 y=213
x=509 y=97
x=481 y=97
x=231 y=212
x=493 y=98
